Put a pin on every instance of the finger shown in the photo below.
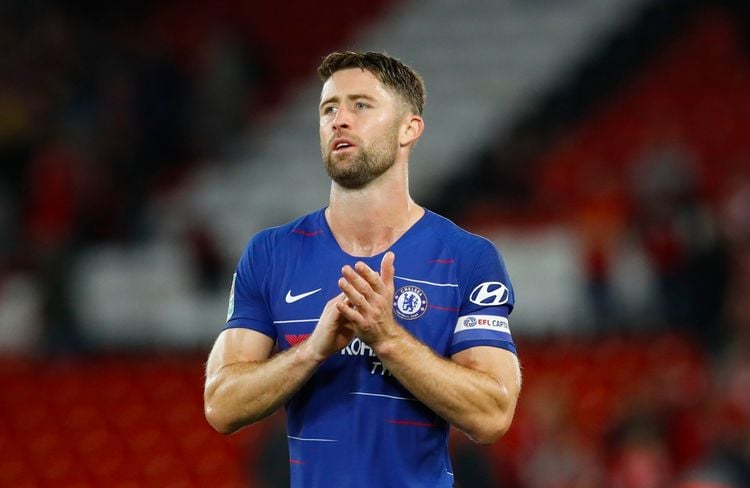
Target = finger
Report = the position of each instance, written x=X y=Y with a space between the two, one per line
x=356 y=298
x=369 y=275
x=351 y=314
x=357 y=281
x=387 y=269
x=338 y=298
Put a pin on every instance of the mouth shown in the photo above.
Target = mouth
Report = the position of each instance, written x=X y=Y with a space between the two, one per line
x=341 y=145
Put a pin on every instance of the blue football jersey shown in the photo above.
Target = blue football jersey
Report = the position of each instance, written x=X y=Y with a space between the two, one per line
x=353 y=423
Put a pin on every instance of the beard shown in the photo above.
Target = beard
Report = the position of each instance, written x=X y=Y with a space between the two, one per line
x=356 y=170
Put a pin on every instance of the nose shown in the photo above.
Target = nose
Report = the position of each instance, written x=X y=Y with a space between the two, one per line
x=341 y=120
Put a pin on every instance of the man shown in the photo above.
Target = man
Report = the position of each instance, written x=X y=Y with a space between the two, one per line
x=390 y=321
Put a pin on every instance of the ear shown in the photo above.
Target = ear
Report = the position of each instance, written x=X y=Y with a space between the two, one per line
x=411 y=130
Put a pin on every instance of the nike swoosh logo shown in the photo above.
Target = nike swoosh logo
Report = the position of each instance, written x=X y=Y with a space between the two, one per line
x=293 y=298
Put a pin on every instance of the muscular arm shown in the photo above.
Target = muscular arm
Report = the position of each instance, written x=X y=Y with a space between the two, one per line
x=245 y=384
x=476 y=390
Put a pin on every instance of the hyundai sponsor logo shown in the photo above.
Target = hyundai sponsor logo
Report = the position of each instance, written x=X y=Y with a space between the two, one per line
x=489 y=294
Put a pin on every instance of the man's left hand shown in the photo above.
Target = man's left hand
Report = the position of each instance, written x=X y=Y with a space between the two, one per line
x=369 y=303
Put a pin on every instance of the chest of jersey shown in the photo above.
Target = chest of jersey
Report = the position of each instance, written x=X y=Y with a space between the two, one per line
x=426 y=296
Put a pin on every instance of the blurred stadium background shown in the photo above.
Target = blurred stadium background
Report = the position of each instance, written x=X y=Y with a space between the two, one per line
x=604 y=145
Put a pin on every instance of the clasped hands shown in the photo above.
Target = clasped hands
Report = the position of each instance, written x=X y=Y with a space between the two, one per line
x=364 y=308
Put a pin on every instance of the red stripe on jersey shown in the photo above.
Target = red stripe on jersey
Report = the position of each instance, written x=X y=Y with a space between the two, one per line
x=294 y=339
x=447 y=309
x=411 y=422
x=307 y=234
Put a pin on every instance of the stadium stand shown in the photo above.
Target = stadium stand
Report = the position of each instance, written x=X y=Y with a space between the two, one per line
x=137 y=419
x=119 y=225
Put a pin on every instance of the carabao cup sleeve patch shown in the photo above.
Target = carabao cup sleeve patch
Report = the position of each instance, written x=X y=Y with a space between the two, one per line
x=482 y=330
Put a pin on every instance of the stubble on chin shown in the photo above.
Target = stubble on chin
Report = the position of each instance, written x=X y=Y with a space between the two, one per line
x=356 y=170
x=353 y=172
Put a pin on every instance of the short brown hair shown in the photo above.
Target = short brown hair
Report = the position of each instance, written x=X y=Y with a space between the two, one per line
x=390 y=71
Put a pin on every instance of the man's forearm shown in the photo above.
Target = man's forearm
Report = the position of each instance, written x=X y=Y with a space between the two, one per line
x=473 y=401
x=476 y=391
x=241 y=393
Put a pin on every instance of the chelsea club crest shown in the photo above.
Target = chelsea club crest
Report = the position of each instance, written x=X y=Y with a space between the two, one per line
x=409 y=302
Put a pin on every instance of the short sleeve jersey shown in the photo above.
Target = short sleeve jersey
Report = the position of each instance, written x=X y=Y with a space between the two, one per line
x=353 y=423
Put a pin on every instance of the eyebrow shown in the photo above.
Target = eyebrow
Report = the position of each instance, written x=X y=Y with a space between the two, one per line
x=353 y=96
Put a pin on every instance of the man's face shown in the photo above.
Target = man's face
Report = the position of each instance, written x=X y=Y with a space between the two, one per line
x=359 y=124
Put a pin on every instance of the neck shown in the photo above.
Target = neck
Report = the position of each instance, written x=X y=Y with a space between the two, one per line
x=367 y=221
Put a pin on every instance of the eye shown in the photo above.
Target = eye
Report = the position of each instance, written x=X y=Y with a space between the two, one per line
x=329 y=109
x=360 y=105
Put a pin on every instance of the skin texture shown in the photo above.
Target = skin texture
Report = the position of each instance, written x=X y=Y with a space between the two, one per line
x=476 y=390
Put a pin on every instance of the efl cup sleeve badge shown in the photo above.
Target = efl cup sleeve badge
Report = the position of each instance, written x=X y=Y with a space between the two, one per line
x=409 y=302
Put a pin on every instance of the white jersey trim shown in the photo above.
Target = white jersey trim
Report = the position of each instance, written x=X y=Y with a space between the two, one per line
x=310 y=440
x=426 y=282
x=295 y=321
x=382 y=395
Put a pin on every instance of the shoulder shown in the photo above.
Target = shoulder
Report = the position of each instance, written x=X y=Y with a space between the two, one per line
x=272 y=238
x=479 y=266
x=460 y=241
x=477 y=260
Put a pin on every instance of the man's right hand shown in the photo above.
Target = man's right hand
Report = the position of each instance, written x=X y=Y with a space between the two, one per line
x=245 y=382
x=332 y=333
